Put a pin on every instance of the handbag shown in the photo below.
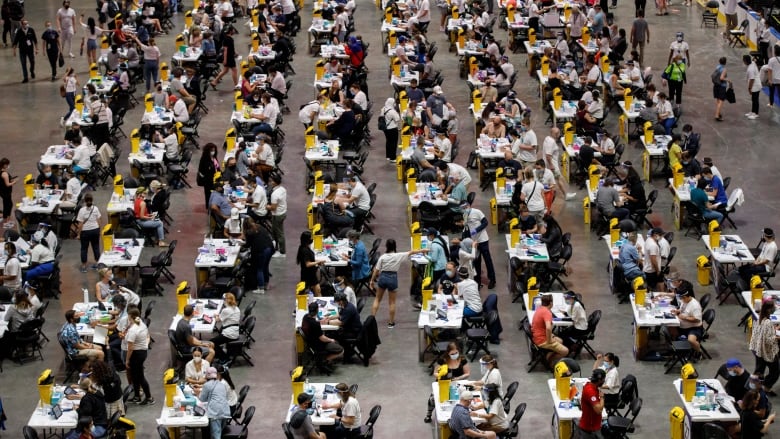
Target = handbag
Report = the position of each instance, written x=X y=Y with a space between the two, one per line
x=62 y=90
x=61 y=60
x=730 y=97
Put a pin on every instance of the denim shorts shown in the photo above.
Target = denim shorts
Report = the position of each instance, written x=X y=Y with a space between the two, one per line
x=388 y=280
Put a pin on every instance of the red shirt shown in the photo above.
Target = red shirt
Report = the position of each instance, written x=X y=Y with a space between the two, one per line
x=542 y=315
x=590 y=420
x=137 y=207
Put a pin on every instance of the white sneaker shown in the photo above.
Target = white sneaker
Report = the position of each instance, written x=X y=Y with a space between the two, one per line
x=570 y=196
x=62 y=121
x=748 y=114
x=259 y=291
x=279 y=255
x=753 y=117
x=71 y=55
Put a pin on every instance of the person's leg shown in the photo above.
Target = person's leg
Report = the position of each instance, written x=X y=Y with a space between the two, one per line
x=278 y=227
x=23 y=60
x=70 y=99
x=773 y=375
x=52 y=56
x=207 y=194
x=391 y=302
x=484 y=250
x=754 y=102
x=478 y=266
x=718 y=106
x=763 y=47
x=84 y=247
x=31 y=56
x=760 y=365
x=215 y=426
x=431 y=406
x=380 y=292
x=148 y=77
x=94 y=241
x=266 y=265
x=710 y=215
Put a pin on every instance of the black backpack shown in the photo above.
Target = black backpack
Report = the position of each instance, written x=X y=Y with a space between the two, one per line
x=17 y=10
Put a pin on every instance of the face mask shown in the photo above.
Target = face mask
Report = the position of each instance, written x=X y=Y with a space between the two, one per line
x=732 y=373
x=483 y=369
x=679 y=61
x=232 y=167
x=684 y=163
x=455 y=356
x=197 y=360
x=338 y=288
x=605 y=365
x=111 y=276
x=449 y=273
x=751 y=385
x=92 y=429
x=213 y=153
x=351 y=245
x=47 y=174
x=669 y=285
x=49 y=27
x=679 y=39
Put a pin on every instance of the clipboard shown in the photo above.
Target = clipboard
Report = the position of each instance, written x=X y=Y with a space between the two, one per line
x=100 y=336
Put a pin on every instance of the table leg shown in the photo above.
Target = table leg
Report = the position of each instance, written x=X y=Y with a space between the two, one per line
x=420 y=344
x=640 y=341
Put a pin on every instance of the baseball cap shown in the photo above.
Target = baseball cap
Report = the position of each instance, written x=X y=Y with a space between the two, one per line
x=437 y=90
x=431 y=231
x=211 y=373
x=304 y=397
x=234 y=213
x=732 y=363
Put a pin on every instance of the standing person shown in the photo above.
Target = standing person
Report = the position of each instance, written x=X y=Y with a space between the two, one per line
x=764 y=346
x=5 y=14
x=66 y=24
x=474 y=225
x=151 y=61
x=592 y=404
x=278 y=209
x=753 y=86
x=640 y=34
x=763 y=35
x=228 y=59
x=773 y=74
x=110 y=384
x=207 y=167
x=552 y=160
x=51 y=41
x=730 y=10
x=261 y=247
x=651 y=266
x=675 y=77
x=309 y=265
x=385 y=277
x=92 y=32
x=215 y=394
x=392 y=125
x=27 y=42
x=720 y=84
x=88 y=220
x=358 y=259
x=680 y=47
x=6 y=185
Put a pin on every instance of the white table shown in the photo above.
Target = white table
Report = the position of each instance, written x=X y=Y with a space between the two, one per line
x=42 y=419
x=158 y=117
x=558 y=308
x=324 y=415
x=264 y=53
x=405 y=79
x=197 y=324
x=330 y=152
x=3 y=323
x=567 y=111
x=102 y=85
x=527 y=243
x=83 y=328
x=246 y=117
x=408 y=50
x=190 y=54
x=119 y=204
x=43 y=203
x=696 y=415
x=56 y=155
x=565 y=414
x=654 y=152
x=591 y=48
x=152 y=156
x=430 y=318
x=472 y=49
x=443 y=410
x=504 y=197
x=338 y=249
x=423 y=193
x=337 y=51
x=571 y=151
x=170 y=418
x=646 y=319
x=328 y=310
x=208 y=257
x=735 y=252
x=115 y=257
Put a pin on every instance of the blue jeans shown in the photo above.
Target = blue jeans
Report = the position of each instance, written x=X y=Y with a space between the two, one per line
x=710 y=215
x=262 y=127
x=154 y=224
x=261 y=265
x=39 y=270
x=468 y=312
x=216 y=425
x=667 y=124
x=70 y=99
x=151 y=72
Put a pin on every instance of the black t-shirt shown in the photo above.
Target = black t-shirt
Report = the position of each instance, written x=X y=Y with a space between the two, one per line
x=736 y=387
x=112 y=388
x=751 y=425
x=308 y=274
x=44 y=181
x=71 y=135
x=183 y=333
x=227 y=42
x=528 y=223
x=350 y=319
x=637 y=191
x=313 y=330
x=50 y=37
x=586 y=156
x=94 y=405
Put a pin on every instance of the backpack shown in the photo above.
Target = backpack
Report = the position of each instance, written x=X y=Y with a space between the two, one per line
x=381 y=122
x=17 y=10
x=763 y=76
x=444 y=246
x=715 y=76
x=113 y=9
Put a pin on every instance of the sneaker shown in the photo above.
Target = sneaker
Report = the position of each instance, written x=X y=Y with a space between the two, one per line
x=259 y=291
x=93 y=267
x=136 y=400
x=148 y=401
x=279 y=255
x=753 y=117
x=570 y=196
x=71 y=55
x=62 y=121
x=417 y=306
x=391 y=325
x=442 y=29
x=83 y=269
x=748 y=114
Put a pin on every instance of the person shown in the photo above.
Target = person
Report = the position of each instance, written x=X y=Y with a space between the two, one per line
x=177 y=86
x=92 y=31
x=208 y=166
x=763 y=263
x=179 y=109
x=467 y=253
x=261 y=247
x=665 y=113
x=12 y=273
x=609 y=363
x=186 y=341
x=137 y=348
x=358 y=203
x=753 y=85
x=474 y=225
x=461 y=423
x=93 y=405
x=195 y=371
x=228 y=58
x=146 y=219
x=392 y=125
x=608 y=201
x=348 y=422
x=701 y=201
x=442 y=147
x=495 y=414
x=630 y=259
x=278 y=208
x=358 y=259
x=457 y=366
x=576 y=312
x=469 y=290
x=215 y=394
x=309 y=266
x=73 y=343
x=342 y=285
x=230 y=318
x=319 y=342
x=737 y=378
x=530 y=194
x=675 y=77
x=85 y=428
x=300 y=421
x=651 y=266
x=151 y=61
x=714 y=188
x=592 y=404
x=104 y=284
x=542 y=331
x=66 y=21
x=552 y=159
x=752 y=426
x=27 y=43
x=763 y=344
x=720 y=84
x=71 y=83
x=640 y=34
x=88 y=220
x=20 y=311
x=51 y=39
x=234 y=226
x=6 y=186
x=690 y=316
x=384 y=278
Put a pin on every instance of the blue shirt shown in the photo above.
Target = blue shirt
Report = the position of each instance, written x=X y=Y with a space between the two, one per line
x=460 y=421
x=629 y=258
x=359 y=261
x=214 y=393
x=221 y=202
x=720 y=195
x=70 y=336
x=436 y=255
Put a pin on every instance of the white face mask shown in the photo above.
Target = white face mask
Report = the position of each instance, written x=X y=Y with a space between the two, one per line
x=483 y=368
x=455 y=356
x=197 y=360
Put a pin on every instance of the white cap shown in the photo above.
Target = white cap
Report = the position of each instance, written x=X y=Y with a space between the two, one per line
x=437 y=90
x=234 y=213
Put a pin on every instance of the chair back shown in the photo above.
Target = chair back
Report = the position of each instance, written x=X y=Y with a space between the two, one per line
x=715 y=431
x=29 y=432
x=705 y=300
x=287 y=431
x=248 y=415
x=734 y=198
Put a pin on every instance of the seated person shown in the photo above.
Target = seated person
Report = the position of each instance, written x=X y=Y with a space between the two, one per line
x=595 y=105
x=630 y=258
x=413 y=93
x=41 y=257
x=22 y=310
x=171 y=141
x=460 y=421
x=700 y=200
x=428 y=170
x=649 y=113
x=334 y=218
x=348 y=319
x=179 y=108
x=542 y=331
x=468 y=289
x=45 y=179
x=495 y=129
x=73 y=343
x=442 y=147
x=527 y=221
x=607 y=149
x=195 y=371
x=737 y=379
x=585 y=121
x=614 y=82
x=231 y=174
x=93 y=405
x=689 y=315
x=186 y=341
x=675 y=151
x=219 y=205
x=489 y=91
x=509 y=162
x=316 y=339
x=634 y=74
x=340 y=128
x=665 y=113
x=234 y=226
x=691 y=166
x=146 y=219
x=715 y=188
x=765 y=260
x=82 y=159
x=608 y=201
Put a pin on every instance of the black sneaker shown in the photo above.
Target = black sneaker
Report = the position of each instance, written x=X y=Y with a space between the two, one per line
x=427 y=420
x=391 y=325
x=136 y=400
x=148 y=401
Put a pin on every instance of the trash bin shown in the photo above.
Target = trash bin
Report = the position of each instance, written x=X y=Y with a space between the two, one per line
x=676 y=423
x=703 y=266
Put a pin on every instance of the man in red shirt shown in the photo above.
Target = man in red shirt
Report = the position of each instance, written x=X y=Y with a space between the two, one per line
x=592 y=404
x=542 y=331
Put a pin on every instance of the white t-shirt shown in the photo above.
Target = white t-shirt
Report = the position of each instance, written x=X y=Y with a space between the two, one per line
x=493 y=376
x=138 y=334
x=665 y=107
x=363 y=200
x=527 y=155
x=474 y=220
x=260 y=198
x=424 y=8
x=768 y=252
x=360 y=99
x=81 y=156
x=774 y=65
x=550 y=147
x=265 y=155
x=279 y=198
x=459 y=171
x=191 y=372
x=89 y=217
x=180 y=112
x=230 y=315
x=67 y=19
x=12 y=268
x=679 y=48
x=40 y=254
x=594 y=74
x=690 y=309
x=469 y=289
x=547 y=178
x=532 y=192
x=752 y=73
x=499 y=418
x=352 y=408
x=307 y=113
x=651 y=249
x=73 y=188
x=635 y=73
x=391 y=261
x=271 y=111
x=226 y=9
x=444 y=146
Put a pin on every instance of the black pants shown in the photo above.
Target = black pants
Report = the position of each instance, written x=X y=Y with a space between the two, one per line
x=100 y=134
x=53 y=55
x=391 y=143
x=754 y=101
x=639 y=5
x=218 y=341
x=24 y=57
x=90 y=238
x=763 y=47
x=483 y=250
x=8 y=203
x=137 y=360
x=7 y=31
x=207 y=188
x=748 y=270
x=675 y=91
x=774 y=370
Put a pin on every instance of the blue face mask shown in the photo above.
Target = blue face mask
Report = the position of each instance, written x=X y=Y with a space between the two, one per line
x=449 y=273
x=605 y=365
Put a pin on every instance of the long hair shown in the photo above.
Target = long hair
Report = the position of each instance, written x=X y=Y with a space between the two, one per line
x=91 y=25
x=767 y=308
x=303 y=249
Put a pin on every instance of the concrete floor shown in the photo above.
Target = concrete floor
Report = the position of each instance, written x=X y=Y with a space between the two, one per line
x=739 y=147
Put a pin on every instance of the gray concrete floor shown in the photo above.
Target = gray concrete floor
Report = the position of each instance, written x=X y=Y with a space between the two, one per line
x=739 y=147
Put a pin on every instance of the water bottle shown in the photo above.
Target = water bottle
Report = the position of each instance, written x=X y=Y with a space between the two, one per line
x=311 y=297
x=454 y=393
x=444 y=305
x=306 y=385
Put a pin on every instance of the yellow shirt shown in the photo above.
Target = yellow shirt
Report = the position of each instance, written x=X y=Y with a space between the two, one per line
x=674 y=153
